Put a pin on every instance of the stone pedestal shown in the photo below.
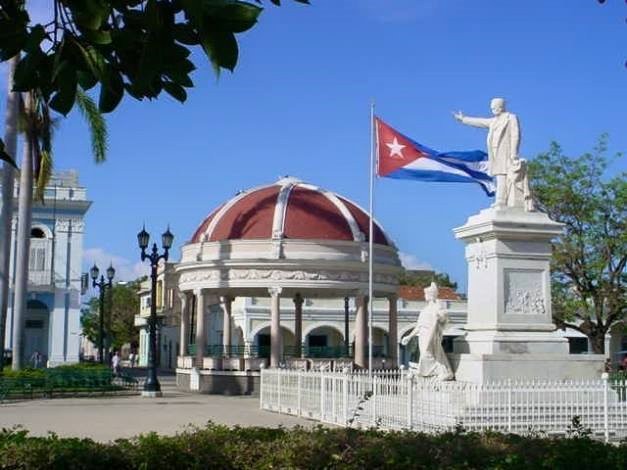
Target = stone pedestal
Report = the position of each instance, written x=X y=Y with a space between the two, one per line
x=509 y=330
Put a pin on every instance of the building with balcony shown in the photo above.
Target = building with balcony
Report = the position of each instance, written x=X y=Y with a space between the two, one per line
x=52 y=324
x=168 y=318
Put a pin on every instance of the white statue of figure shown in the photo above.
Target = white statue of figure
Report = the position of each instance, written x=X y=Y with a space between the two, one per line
x=429 y=329
x=503 y=142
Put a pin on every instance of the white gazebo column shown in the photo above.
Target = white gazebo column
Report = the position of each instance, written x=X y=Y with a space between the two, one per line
x=226 y=328
x=184 y=339
x=361 y=331
x=275 y=326
x=392 y=331
x=201 y=335
x=298 y=324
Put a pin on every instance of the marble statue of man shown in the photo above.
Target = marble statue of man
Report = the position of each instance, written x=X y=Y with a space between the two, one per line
x=429 y=329
x=503 y=142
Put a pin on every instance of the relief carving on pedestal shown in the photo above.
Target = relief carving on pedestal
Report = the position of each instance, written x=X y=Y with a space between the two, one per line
x=524 y=293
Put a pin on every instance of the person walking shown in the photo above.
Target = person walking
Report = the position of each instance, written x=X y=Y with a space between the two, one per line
x=115 y=363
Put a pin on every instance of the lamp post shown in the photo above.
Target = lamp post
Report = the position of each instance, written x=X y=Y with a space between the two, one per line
x=102 y=285
x=152 y=388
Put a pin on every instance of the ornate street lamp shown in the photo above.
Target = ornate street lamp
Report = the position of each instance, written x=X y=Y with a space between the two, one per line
x=152 y=388
x=102 y=285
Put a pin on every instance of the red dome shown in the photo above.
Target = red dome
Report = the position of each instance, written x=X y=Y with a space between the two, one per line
x=288 y=209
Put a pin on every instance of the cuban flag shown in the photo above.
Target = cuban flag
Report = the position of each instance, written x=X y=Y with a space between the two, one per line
x=400 y=157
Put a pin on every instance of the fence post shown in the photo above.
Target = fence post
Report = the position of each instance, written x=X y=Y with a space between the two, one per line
x=605 y=377
x=410 y=400
x=299 y=392
x=278 y=389
x=345 y=393
x=509 y=405
x=261 y=384
x=322 y=394
x=373 y=398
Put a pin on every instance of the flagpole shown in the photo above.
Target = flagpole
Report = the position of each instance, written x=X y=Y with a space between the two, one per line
x=370 y=239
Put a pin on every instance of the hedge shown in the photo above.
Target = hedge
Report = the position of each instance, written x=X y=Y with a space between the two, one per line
x=217 y=446
x=63 y=380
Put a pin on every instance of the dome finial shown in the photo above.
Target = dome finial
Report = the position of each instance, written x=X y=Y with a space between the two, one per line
x=287 y=179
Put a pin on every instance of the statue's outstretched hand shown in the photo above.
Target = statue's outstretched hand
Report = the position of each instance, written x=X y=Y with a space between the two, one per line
x=459 y=116
x=405 y=340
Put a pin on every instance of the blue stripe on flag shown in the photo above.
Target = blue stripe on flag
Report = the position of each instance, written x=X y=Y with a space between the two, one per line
x=441 y=176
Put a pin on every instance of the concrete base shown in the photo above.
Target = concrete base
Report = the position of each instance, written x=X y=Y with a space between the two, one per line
x=218 y=382
x=146 y=394
x=482 y=368
x=511 y=342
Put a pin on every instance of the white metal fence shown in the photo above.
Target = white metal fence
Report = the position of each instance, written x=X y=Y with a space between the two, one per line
x=396 y=400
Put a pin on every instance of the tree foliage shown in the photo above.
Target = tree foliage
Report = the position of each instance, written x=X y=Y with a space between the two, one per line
x=424 y=279
x=588 y=262
x=137 y=47
x=120 y=323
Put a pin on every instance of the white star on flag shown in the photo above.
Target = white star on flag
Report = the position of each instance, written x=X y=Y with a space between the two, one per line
x=396 y=148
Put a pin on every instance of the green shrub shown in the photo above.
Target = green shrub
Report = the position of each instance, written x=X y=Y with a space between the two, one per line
x=217 y=446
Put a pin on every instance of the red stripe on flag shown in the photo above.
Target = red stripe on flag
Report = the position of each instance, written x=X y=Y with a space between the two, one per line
x=393 y=149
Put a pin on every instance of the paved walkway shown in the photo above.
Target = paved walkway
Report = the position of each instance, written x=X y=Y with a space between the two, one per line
x=107 y=418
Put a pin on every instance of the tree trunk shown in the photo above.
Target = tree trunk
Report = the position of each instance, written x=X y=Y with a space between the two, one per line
x=597 y=341
x=23 y=239
x=6 y=212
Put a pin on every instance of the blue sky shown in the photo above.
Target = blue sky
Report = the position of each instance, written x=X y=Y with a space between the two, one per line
x=298 y=104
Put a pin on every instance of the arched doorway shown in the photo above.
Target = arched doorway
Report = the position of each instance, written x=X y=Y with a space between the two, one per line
x=262 y=342
x=36 y=329
x=409 y=352
x=324 y=341
x=380 y=342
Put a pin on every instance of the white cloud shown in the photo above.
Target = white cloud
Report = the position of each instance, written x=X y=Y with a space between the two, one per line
x=410 y=261
x=125 y=270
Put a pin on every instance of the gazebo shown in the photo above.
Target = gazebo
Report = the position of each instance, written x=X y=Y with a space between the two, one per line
x=287 y=239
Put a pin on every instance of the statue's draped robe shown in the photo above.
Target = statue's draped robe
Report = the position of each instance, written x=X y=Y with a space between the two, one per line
x=433 y=361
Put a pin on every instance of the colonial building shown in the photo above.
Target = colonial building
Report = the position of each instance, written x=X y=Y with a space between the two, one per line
x=52 y=323
x=168 y=307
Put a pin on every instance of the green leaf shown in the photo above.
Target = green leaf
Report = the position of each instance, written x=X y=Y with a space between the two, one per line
x=221 y=48
x=180 y=78
x=235 y=17
x=12 y=38
x=175 y=91
x=66 y=81
x=111 y=91
x=25 y=77
x=97 y=36
x=186 y=34
x=89 y=14
x=37 y=34
x=86 y=79
x=93 y=60
x=5 y=156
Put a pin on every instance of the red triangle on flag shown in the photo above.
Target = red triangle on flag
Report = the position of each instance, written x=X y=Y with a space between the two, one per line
x=394 y=150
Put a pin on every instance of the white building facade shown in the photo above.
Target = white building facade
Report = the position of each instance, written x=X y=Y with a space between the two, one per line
x=52 y=323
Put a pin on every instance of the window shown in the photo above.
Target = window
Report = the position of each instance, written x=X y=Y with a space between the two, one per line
x=447 y=343
x=317 y=341
x=577 y=345
x=39 y=324
x=37 y=233
x=37 y=260
x=159 y=294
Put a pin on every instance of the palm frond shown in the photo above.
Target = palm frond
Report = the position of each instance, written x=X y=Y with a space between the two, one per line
x=97 y=124
x=44 y=174
x=40 y=128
